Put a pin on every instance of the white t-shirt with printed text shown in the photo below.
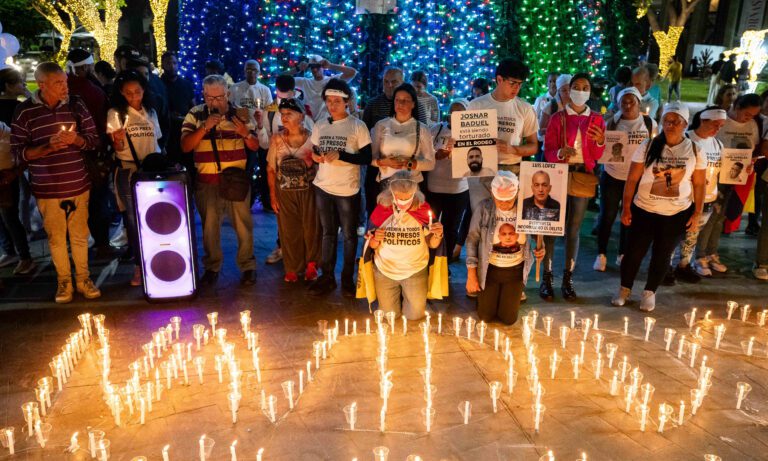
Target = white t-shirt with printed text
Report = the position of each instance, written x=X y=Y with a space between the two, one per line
x=637 y=133
x=348 y=135
x=712 y=150
x=517 y=120
x=142 y=126
x=440 y=179
x=665 y=187
x=404 y=250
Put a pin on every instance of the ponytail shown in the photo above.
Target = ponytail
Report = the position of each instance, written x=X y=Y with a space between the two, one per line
x=655 y=149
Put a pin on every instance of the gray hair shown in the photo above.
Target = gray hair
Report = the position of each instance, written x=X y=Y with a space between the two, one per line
x=641 y=70
x=45 y=69
x=394 y=69
x=213 y=80
x=253 y=61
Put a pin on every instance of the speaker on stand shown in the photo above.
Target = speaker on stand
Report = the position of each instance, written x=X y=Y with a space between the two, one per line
x=167 y=244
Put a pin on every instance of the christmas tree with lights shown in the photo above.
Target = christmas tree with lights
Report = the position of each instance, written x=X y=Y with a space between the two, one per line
x=283 y=26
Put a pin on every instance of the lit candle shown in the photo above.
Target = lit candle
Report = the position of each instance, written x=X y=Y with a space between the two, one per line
x=232 y=451
x=750 y=345
x=466 y=412
x=213 y=319
x=625 y=332
x=271 y=401
x=548 y=324
x=681 y=414
x=382 y=418
x=92 y=442
x=573 y=319
x=202 y=446
x=694 y=351
x=439 y=323
x=346 y=327
x=553 y=363
x=199 y=362
x=301 y=382
x=649 y=323
x=745 y=312
x=143 y=410
x=9 y=437
x=73 y=445
x=680 y=346
x=692 y=318
x=367 y=326
x=744 y=389
x=575 y=362
x=643 y=417
x=405 y=325
x=309 y=371
x=662 y=417
x=354 y=328
x=537 y=418
x=165 y=453
x=496 y=339
x=615 y=383
x=719 y=333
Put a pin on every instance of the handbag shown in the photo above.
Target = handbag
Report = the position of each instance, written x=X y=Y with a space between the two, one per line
x=580 y=184
x=98 y=164
x=234 y=183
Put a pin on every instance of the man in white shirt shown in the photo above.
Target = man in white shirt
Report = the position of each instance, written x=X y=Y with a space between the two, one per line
x=641 y=79
x=517 y=123
x=250 y=93
x=313 y=87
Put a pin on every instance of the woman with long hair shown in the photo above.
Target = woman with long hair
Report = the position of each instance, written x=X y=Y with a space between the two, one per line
x=134 y=129
x=668 y=173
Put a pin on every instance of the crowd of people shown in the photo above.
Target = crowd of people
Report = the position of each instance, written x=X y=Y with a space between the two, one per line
x=383 y=174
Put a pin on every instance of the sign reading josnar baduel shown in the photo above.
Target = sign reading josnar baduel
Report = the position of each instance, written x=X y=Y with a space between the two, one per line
x=474 y=151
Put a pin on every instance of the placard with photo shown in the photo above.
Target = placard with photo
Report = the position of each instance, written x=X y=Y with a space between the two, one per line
x=542 y=198
x=474 y=151
x=734 y=166
x=617 y=148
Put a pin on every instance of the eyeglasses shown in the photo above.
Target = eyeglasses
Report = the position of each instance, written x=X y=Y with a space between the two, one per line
x=215 y=98
x=672 y=122
x=514 y=83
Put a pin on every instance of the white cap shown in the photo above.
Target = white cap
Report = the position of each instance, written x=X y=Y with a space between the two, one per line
x=563 y=79
x=629 y=90
x=314 y=59
x=505 y=185
x=713 y=114
x=676 y=107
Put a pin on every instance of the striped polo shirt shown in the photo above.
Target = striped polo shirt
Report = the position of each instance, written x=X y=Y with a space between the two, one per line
x=59 y=174
x=230 y=145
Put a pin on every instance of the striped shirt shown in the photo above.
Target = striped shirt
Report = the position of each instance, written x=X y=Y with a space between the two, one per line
x=229 y=144
x=377 y=109
x=59 y=174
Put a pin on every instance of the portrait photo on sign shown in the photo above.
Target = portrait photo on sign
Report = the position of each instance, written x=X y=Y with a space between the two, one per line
x=735 y=166
x=474 y=151
x=617 y=148
x=542 y=198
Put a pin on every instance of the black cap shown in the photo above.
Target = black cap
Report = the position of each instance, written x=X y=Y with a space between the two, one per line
x=127 y=51
x=77 y=55
x=291 y=104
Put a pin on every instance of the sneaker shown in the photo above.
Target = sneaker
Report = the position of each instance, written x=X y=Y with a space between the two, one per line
x=716 y=265
x=687 y=274
x=7 y=260
x=275 y=256
x=248 y=278
x=64 y=292
x=121 y=239
x=523 y=297
x=209 y=278
x=291 y=277
x=600 y=262
x=648 y=301
x=310 y=274
x=361 y=231
x=472 y=295
x=24 y=267
x=669 y=277
x=702 y=267
x=323 y=285
x=136 y=280
x=760 y=272
x=622 y=297
x=88 y=289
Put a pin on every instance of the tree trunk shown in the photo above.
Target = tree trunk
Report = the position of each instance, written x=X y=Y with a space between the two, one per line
x=667 y=41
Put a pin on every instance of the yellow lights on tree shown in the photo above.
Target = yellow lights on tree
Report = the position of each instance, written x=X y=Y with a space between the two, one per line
x=751 y=50
x=90 y=12
x=678 y=12
x=62 y=20
x=159 y=11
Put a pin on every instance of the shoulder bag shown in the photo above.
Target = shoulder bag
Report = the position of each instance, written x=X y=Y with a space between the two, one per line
x=234 y=183
x=580 y=183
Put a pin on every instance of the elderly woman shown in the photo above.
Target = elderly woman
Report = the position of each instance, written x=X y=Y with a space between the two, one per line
x=575 y=136
x=134 y=129
x=669 y=174
x=401 y=242
x=290 y=171
x=498 y=258
x=401 y=142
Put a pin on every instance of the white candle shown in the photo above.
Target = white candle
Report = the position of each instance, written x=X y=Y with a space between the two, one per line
x=143 y=409
x=202 y=448
x=466 y=412
x=405 y=325
x=346 y=327
x=694 y=351
x=259 y=454
x=626 y=326
x=301 y=382
x=354 y=328
x=662 y=417
x=232 y=451
x=439 y=323
x=382 y=418
x=9 y=437
x=367 y=326
x=692 y=319
x=681 y=414
x=553 y=364
x=680 y=346
x=496 y=339
x=92 y=443
x=309 y=371
x=537 y=418
x=165 y=453
x=643 y=417
x=430 y=225
x=750 y=345
x=615 y=383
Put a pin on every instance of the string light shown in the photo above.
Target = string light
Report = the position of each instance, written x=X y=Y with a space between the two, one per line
x=57 y=19
x=751 y=49
x=159 y=11
x=667 y=42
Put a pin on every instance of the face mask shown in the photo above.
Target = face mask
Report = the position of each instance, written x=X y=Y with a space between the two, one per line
x=579 y=97
x=403 y=204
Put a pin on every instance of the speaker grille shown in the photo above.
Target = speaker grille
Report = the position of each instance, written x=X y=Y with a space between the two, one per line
x=163 y=218
x=168 y=266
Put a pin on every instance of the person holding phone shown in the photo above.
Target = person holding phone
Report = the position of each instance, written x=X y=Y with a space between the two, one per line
x=576 y=136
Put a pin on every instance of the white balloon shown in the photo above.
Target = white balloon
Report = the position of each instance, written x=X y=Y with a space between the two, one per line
x=10 y=43
x=1 y=27
x=3 y=55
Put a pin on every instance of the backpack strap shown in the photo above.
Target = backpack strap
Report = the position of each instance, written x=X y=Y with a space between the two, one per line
x=648 y=125
x=123 y=117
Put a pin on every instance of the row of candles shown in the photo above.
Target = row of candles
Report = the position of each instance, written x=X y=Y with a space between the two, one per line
x=63 y=364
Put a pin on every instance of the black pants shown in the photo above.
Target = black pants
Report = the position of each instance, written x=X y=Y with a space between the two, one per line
x=100 y=213
x=663 y=232
x=372 y=189
x=336 y=211
x=611 y=192
x=464 y=227
x=760 y=192
x=452 y=208
x=501 y=295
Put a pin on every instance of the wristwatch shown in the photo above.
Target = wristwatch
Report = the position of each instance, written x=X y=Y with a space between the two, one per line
x=409 y=165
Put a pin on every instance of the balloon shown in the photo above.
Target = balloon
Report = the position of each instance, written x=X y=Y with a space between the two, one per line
x=10 y=43
x=3 y=55
x=1 y=27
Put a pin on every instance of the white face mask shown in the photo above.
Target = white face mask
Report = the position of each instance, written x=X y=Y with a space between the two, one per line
x=403 y=204
x=579 y=97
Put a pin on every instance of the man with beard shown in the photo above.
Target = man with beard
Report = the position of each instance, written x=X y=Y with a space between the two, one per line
x=540 y=206
x=475 y=164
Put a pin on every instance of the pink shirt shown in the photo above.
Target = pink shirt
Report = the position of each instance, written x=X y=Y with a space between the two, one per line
x=574 y=123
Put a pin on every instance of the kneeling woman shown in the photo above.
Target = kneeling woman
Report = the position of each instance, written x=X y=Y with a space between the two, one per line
x=497 y=256
x=669 y=174
x=401 y=242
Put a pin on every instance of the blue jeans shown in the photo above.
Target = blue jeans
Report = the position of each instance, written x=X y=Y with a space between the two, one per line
x=574 y=215
x=124 y=192
x=338 y=211
x=412 y=291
